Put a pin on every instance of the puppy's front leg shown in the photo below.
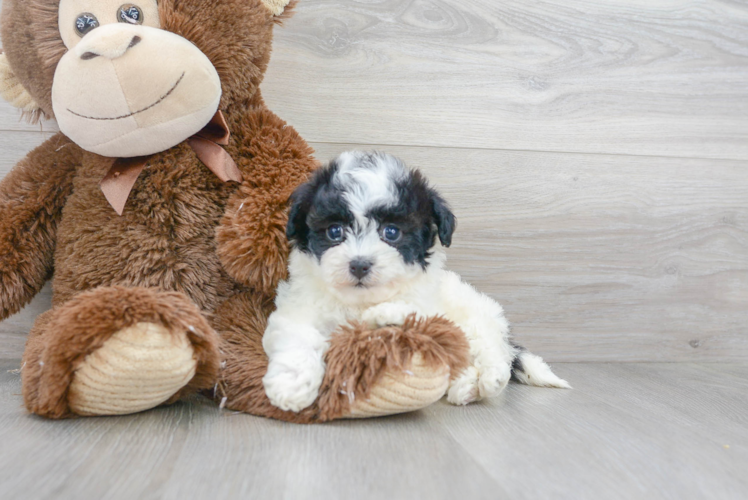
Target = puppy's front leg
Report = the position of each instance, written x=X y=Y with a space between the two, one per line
x=387 y=313
x=296 y=364
x=487 y=330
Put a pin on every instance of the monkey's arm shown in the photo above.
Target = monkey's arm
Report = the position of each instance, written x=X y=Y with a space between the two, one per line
x=274 y=161
x=31 y=199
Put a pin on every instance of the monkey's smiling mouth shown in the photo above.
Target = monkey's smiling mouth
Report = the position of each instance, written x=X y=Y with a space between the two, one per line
x=134 y=112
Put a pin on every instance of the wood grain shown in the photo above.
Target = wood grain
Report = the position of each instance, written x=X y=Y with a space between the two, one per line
x=15 y=145
x=10 y=119
x=594 y=258
x=624 y=256
x=655 y=431
x=632 y=77
x=636 y=77
x=601 y=257
x=14 y=330
x=624 y=428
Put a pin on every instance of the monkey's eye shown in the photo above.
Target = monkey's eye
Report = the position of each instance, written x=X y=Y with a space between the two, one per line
x=391 y=233
x=85 y=23
x=130 y=14
x=335 y=232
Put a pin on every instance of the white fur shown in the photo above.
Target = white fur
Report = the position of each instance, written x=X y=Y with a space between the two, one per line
x=369 y=180
x=310 y=308
x=538 y=373
x=321 y=295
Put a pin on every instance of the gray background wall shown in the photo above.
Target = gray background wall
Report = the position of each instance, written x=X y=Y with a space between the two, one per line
x=595 y=153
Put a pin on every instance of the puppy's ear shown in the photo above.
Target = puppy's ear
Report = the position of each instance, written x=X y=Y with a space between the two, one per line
x=297 y=229
x=445 y=220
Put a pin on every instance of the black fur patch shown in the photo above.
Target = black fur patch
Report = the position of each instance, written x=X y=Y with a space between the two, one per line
x=316 y=205
x=517 y=361
x=420 y=213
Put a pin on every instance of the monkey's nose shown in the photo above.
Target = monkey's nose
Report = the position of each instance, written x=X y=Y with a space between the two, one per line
x=360 y=268
x=109 y=41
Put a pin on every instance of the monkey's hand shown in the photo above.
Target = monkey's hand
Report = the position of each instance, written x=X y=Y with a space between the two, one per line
x=31 y=199
x=274 y=161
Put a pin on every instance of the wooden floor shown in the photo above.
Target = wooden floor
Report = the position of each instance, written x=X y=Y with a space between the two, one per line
x=628 y=431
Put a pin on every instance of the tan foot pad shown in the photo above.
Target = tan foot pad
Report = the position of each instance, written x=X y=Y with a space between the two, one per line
x=138 y=368
x=402 y=391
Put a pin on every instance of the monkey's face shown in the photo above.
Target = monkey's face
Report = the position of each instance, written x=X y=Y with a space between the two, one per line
x=125 y=87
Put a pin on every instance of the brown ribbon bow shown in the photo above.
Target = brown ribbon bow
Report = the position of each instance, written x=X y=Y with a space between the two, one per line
x=120 y=179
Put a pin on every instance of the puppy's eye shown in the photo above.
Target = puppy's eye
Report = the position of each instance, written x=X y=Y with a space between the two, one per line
x=85 y=22
x=130 y=14
x=391 y=233
x=335 y=232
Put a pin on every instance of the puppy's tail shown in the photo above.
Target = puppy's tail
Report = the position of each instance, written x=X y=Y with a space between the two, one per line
x=529 y=369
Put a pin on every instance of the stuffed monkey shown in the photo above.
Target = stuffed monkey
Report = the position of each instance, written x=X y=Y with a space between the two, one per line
x=159 y=213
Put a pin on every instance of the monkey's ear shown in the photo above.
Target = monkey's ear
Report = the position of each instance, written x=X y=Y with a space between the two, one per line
x=12 y=91
x=280 y=8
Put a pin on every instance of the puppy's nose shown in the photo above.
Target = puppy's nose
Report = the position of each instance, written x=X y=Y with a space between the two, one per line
x=360 y=268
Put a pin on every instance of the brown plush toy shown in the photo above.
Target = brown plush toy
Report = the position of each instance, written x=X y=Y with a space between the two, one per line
x=161 y=209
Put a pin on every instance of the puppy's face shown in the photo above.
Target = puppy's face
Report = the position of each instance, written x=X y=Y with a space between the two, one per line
x=368 y=224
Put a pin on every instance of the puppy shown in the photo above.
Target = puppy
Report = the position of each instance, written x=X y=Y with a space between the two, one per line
x=363 y=232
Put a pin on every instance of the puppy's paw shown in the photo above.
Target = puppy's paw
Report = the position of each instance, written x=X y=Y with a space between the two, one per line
x=492 y=379
x=387 y=313
x=464 y=389
x=293 y=379
x=475 y=384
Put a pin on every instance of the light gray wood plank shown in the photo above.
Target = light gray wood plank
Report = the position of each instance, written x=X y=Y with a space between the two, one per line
x=338 y=459
x=196 y=451
x=15 y=145
x=14 y=330
x=634 y=76
x=625 y=431
x=698 y=396
x=593 y=257
x=601 y=257
x=10 y=119
x=630 y=77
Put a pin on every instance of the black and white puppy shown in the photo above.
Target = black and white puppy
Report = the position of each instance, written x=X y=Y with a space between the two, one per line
x=363 y=232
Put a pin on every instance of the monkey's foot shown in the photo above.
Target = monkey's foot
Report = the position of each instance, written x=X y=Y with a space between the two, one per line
x=115 y=350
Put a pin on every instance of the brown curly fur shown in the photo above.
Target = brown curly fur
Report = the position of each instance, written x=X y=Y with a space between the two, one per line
x=62 y=338
x=356 y=360
x=186 y=241
x=53 y=214
x=31 y=200
x=256 y=216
